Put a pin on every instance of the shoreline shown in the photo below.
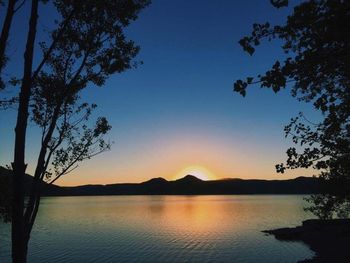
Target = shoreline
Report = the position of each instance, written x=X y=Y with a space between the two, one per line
x=329 y=239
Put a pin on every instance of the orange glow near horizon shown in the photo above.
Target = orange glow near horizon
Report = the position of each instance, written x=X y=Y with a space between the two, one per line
x=173 y=154
x=197 y=171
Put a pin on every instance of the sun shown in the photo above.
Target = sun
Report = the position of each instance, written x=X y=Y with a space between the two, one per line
x=197 y=171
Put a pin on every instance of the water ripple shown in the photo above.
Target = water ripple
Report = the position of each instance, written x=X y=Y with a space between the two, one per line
x=162 y=229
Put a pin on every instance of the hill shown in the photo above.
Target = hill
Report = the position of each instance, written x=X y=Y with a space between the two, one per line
x=188 y=185
x=5 y=183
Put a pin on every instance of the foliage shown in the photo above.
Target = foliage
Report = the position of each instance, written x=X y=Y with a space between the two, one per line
x=326 y=206
x=85 y=47
x=82 y=52
x=316 y=43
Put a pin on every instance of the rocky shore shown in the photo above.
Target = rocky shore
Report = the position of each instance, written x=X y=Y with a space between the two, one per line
x=329 y=239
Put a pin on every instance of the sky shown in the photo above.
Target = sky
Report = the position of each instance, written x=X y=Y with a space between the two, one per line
x=176 y=113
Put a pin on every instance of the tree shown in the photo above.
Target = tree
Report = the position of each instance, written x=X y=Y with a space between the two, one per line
x=5 y=195
x=12 y=7
x=316 y=41
x=5 y=31
x=86 y=47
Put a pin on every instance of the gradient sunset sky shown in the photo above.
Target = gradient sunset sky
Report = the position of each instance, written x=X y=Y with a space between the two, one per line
x=177 y=112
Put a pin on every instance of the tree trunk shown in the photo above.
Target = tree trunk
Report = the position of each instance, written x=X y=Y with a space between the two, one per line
x=19 y=243
x=5 y=31
x=35 y=191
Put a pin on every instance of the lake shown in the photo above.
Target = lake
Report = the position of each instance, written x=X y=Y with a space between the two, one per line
x=163 y=229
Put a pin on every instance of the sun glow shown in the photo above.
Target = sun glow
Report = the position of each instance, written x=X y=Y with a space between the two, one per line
x=197 y=171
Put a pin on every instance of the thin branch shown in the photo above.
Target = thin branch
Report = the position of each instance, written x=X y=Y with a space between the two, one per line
x=53 y=44
x=5 y=30
x=66 y=67
x=72 y=169
x=77 y=159
x=78 y=121
x=19 y=6
x=307 y=120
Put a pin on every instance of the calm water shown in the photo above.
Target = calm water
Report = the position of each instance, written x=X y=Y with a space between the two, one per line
x=163 y=229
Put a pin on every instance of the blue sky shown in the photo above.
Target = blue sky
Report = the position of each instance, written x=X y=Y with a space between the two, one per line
x=178 y=108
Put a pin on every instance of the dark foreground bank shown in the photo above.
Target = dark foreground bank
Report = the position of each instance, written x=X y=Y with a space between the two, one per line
x=329 y=239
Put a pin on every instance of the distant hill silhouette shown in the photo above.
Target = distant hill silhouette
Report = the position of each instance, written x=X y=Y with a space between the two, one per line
x=188 y=185
x=5 y=181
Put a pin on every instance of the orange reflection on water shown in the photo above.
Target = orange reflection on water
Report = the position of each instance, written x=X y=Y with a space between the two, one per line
x=192 y=216
x=178 y=217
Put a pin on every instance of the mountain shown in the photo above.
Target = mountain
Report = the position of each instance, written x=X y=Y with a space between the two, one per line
x=5 y=182
x=189 y=179
x=188 y=185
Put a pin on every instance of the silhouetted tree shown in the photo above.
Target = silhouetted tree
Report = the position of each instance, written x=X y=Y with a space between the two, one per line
x=5 y=31
x=5 y=195
x=87 y=46
x=12 y=7
x=316 y=41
